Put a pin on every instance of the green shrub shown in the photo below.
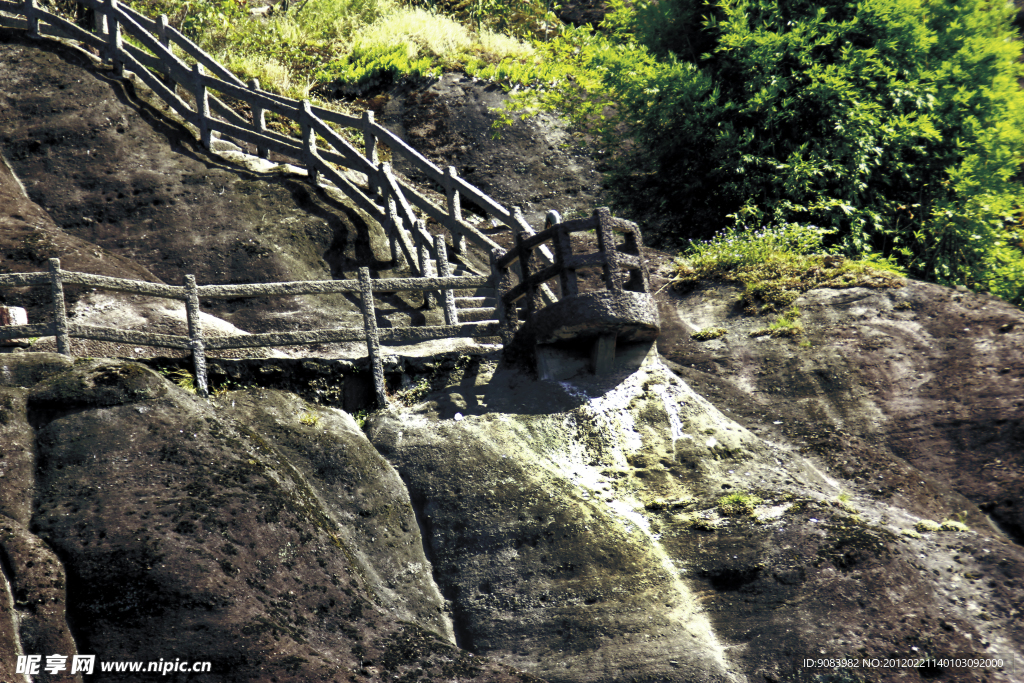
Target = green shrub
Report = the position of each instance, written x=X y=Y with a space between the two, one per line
x=775 y=265
x=346 y=47
x=896 y=126
x=370 y=67
x=520 y=18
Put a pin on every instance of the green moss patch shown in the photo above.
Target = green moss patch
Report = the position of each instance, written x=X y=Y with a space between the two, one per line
x=738 y=504
x=775 y=268
x=709 y=333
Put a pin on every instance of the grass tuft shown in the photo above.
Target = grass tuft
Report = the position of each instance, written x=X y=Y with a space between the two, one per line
x=787 y=325
x=309 y=418
x=184 y=379
x=776 y=265
x=709 y=333
x=738 y=504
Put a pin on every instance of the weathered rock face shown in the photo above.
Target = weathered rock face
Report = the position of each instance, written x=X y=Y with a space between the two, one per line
x=28 y=237
x=925 y=376
x=580 y=531
x=140 y=523
x=536 y=528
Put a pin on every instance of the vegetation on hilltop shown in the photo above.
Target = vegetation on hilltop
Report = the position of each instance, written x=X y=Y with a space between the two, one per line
x=884 y=130
x=340 y=47
x=891 y=128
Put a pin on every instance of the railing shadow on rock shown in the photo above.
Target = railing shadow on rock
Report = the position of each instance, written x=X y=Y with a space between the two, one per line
x=198 y=343
x=623 y=311
x=382 y=196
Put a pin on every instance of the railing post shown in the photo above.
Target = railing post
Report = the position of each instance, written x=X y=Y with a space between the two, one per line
x=99 y=20
x=525 y=261
x=202 y=105
x=114 y=43
x=426 y=269
x=451 y=315
x=259 y=119
x=309 y=142
x=164 y=36
x=563 y=253
x=552 y=218
x=370 y=142
x=634 y=240
x=451 y=189
x=195 y=335
x=392 y=222
x=606 y=243
x=520 y=220
x=372 y=340
x=31 y=15
x=508 y=317
x=393 y=226
x=60 y=316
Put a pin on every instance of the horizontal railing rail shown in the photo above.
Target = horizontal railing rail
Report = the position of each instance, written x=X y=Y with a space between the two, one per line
x=197 y=342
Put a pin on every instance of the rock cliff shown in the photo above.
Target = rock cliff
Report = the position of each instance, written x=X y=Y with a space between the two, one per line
x=140 y=523
x=718 y=511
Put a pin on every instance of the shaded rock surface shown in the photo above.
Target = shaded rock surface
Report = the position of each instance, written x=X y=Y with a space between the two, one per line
x=537 y=165
x=134 y=195
x=139 y=523
x=922 y=379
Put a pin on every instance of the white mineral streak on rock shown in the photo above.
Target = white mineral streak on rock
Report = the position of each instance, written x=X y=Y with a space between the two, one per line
x=611 y=419
x=672 y=408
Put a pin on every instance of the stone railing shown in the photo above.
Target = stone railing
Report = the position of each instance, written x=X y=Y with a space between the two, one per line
x=198 y=343
x=330 y=159
x=622 y=310
x=386 y=199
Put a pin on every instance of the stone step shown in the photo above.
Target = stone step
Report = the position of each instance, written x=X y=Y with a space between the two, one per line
x=475 y=315
x=457 y=269
x=475 y=302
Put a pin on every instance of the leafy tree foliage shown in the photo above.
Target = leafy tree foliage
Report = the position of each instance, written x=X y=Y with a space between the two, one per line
x=895 y=126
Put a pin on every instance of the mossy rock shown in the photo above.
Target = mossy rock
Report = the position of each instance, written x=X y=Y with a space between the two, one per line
x=709 y=333
x=98 y=383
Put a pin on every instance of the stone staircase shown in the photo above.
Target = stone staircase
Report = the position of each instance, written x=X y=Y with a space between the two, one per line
x=480 y=304
x=473 y=305
x=473 y=309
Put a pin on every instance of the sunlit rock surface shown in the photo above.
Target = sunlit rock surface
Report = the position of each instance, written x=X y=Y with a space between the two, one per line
x=582 y=532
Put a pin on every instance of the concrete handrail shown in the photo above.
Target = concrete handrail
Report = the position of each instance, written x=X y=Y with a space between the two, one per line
x=565 y=263
x=156 y=64
x=197 y=342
